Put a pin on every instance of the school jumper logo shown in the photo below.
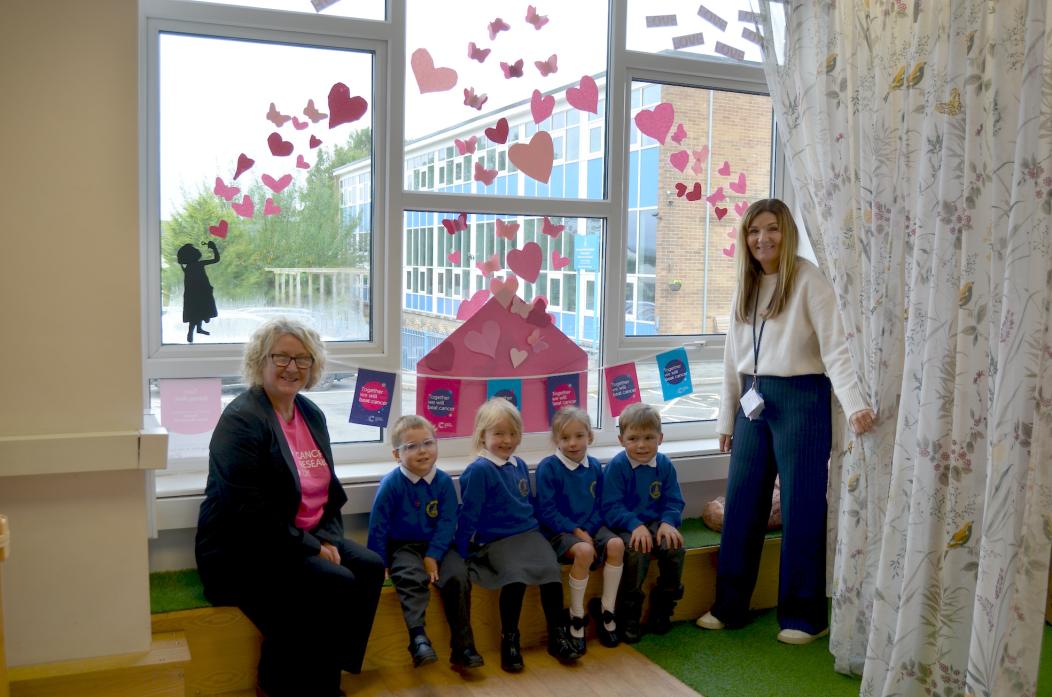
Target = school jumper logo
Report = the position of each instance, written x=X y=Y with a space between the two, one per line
x=655 y=490
x=591 y=488
x=524 y=487
x=432 y=508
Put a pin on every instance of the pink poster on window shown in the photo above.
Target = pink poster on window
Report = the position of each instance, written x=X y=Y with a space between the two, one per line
x=437 y=402
x=190 y=406
x=622 y=387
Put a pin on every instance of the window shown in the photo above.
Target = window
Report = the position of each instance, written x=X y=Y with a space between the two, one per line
x=378 y=272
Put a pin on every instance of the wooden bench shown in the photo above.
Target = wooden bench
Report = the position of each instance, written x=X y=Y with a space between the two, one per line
x=224 y=644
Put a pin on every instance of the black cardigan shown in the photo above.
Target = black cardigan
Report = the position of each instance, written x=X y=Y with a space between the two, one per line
x=246 y=523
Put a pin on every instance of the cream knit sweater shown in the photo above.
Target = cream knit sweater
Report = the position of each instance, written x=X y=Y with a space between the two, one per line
x=805 y=338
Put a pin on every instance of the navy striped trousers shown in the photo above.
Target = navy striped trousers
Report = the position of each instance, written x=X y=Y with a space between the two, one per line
x=791 y=439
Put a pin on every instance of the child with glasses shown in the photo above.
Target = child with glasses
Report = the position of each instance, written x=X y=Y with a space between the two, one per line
x=411 y=527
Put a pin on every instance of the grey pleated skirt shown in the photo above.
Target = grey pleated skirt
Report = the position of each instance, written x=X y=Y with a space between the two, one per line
x=523 y=558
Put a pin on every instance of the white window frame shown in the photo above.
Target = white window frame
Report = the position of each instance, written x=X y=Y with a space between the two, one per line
x=392 y=196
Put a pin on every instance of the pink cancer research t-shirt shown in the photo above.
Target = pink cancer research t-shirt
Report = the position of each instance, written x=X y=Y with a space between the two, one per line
x=312 y=468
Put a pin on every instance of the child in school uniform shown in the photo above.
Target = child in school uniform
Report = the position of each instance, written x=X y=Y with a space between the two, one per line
x=641 y=501
x=411 y=527
x=569 y=484
x=498 y=534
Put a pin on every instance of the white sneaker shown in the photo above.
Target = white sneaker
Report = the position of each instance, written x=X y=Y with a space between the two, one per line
x=709 y=621
x=798 y=636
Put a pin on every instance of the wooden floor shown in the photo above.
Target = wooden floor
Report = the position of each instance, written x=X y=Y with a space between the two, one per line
x=618 y=672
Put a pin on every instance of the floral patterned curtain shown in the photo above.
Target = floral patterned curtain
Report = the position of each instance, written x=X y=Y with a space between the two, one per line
x=918 y=135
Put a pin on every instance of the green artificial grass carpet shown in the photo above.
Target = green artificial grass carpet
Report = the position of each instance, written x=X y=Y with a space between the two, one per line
x=749 y=662
x=697 y=534
x=176 y=590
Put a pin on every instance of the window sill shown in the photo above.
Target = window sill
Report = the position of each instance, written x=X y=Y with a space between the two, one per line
x=180 y=495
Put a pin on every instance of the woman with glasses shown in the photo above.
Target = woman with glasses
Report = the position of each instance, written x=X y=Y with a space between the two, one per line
x=270 y=534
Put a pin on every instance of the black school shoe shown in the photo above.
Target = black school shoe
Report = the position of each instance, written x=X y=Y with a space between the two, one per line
x=607 y=637
x=421 y=650
x=510 y=653
x=578 y=643
x=466 y=657
x=560 y=645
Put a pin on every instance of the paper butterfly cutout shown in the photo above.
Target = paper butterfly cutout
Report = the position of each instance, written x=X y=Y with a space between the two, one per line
x=499 y=133
x=301 y=163
x=512 y=70
x=716 y=196
x=276 y=185
x=227 y=193
x=701 y=155
x=312 y=113
x=549 y=66
x=520 y=307
x=535 y=340
x=472 y=100
x=276 y=117
x=497 y=26
x=476 y=53
x=466 y=147
x=738 y=187
x=697 y=167
x=455 y=225
x=454 y=258
x=489 y=266
x=679 y=135
x=314 y=141
x=246 y=209
x=535 y=19
x=219 y=230
x=486 y=176
x=299 y=125
x=551 y=229
x=278 y=146
x=270 y=208
x=244 y=163
x=508 y=231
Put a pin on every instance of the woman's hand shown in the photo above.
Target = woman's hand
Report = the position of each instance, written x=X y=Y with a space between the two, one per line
x=862 y=421
x=431 y=567
x=329 y=553
x=725 y=443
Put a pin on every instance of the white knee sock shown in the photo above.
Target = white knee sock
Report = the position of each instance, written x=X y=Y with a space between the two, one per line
x=577 y=589
x=611 y=580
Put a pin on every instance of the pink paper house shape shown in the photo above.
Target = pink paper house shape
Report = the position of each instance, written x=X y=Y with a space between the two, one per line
x=495 y=342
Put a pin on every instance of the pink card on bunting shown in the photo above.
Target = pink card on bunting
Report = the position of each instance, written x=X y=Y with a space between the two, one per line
x=437 y=402
x=622 y=387
x=190 y=406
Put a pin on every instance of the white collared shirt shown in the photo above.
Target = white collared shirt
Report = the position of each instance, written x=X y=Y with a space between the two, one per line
x=414 y=478
x=570 y=464
x=652 y=463
x=494 y=459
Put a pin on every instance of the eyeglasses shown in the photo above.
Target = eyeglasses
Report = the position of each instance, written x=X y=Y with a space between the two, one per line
x=282 y=360
x=410 y=448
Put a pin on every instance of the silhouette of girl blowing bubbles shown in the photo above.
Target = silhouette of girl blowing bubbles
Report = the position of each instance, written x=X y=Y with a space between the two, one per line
x=199 y=304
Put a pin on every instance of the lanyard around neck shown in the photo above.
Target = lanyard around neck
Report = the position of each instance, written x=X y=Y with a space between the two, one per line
x=756 y=340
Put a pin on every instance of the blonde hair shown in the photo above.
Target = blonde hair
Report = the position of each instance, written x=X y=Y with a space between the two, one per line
x=750 y=272
x=408 y=423
x=566 y=416
x=257 y=349
x=492 y=413
x=640 y=416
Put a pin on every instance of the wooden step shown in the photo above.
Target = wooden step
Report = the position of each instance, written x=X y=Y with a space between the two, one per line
x=158 y=672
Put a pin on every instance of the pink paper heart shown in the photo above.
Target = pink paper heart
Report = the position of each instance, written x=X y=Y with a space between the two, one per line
x=219 y=230
x=559 y=262
x=301 y=163
x=695 y=193
x=656 y=123
x=729 y=251
x=508 y=231
x=732 y=233
x=278 y=146
x=343 y=108
x=535 y=158
x=486 y=176
x=276 y=185
x=314 y=142
x=244 y=163
x=441 y=357
x=681 y=189
x=246 y=209
x=679 y=159
x=740 y=207
x=428 y=77
x=499 y=133
x=526 y=262
x=541 y=107
x=270 y=208
x=504 y=289
x=738 y=187
x=539 y=316
x=454 y=258
x=469 y=307
x=585 y=97
x=725 y=170
x=517 y=356
x=679 y=135
x=484 y=342
x=716 y=196
x=720 y=212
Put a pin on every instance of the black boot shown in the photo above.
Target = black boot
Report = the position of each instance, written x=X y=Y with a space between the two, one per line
x=560 y=646
x=629 y=610
x=607 y=637
x=510 y=653
x=662 y=605
x=578 y=643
